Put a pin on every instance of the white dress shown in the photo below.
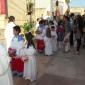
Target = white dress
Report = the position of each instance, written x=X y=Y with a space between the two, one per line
x=5 y=73
x=30 y=68
x=54 y=40
x=9 y=33
x=17 y=43
x=48 y=46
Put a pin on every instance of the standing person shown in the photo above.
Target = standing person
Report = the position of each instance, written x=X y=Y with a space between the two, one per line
x=79 y=32
x=67 y=34
x=30 y=69
x=9 y=31
x=71 y=35
x=17 y=44
x=48 y=44
x=37 y=23
x=60 y=33
x=39 y=41
x=5 y=73
x=54 y=38
x=84 y=31
x=17 y=41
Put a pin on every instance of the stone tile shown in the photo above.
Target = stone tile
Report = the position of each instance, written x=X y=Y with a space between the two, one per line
x=48 y=79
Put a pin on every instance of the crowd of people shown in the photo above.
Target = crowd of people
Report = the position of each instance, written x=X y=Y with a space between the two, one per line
x=52 y=35
x=62 y=33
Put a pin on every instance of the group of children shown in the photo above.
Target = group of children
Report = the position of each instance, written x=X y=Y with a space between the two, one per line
x=25 y=52
x=50 y=38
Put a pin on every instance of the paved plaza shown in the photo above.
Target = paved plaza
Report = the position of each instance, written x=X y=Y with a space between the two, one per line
x=59 y=69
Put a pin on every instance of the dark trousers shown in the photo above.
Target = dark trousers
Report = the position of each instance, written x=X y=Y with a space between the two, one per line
x=78 y=44
x=84 y=40
x=71 y=38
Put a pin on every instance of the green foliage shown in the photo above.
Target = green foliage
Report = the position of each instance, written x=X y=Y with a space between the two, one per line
x=27 y=26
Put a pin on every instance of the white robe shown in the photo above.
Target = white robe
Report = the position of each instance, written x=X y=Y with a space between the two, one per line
x=17 y=44
x=48 y=46
x=9 y=33
x=30 y=68
x=54 y=40
x=5 y=73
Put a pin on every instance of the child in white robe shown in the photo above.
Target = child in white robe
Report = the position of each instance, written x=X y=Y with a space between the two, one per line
x=17 y=44
x=54 y=38
x=48 y=44
x=17 y=41
x=5 y=73
x=30 y=69
x=39 y=41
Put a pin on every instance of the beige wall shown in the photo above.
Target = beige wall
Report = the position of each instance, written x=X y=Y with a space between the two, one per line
x=77 y=10
x=17 y=8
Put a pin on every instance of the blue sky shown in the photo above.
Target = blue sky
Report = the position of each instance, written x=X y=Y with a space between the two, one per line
x=77 y=3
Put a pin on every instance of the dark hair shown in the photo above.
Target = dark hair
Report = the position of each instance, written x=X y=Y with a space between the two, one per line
x=60 y=22
x=48 y=33
x=51 y=22
x=29 y=38
x=11 y=19
x=52 y=27
x=38 y=19
x=17 y=28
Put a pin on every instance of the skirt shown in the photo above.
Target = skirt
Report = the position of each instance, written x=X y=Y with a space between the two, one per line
x=40 y=45
x=17 y=66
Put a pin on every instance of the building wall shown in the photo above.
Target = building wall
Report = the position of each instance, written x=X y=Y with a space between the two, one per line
x=77 y=10
x=17 y=8
x=49 y=5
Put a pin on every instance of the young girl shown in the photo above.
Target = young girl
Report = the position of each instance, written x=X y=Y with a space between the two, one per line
x=47 y=41
x=54 y=38
x=30 y=70
x=39 y=41
x=17 y=43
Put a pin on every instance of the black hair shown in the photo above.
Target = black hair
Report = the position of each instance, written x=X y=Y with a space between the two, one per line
x=48 y=33
x=29 y=38
x=17 y=28
x=11 y=19
x=52 y=27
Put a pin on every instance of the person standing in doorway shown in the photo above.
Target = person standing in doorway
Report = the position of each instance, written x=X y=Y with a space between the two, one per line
x=9 y=31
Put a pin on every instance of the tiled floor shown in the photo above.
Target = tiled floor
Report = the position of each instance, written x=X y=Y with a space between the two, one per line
x=60 y=69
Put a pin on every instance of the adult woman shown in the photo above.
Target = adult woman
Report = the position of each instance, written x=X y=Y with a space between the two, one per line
x=9 y=31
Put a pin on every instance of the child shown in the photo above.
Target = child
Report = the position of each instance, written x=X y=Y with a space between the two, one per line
x=39 y=41
x=17 y=43
x=60 y=33
x=30 y=70
x=54 y=38
x=47 y=41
